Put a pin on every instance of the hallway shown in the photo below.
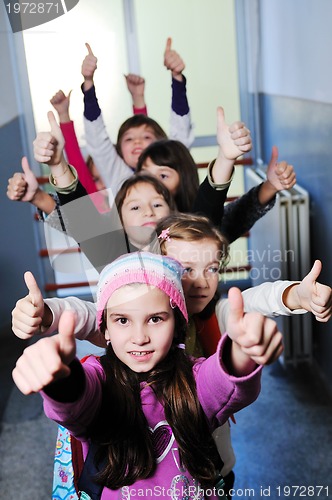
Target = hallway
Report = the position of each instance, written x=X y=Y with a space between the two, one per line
x=282 y=441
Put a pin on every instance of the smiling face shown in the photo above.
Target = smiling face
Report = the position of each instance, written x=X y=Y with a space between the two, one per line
x=201 y=262
x=167 y=175
x=142 y=208
x=140 y=326
x=134 y=141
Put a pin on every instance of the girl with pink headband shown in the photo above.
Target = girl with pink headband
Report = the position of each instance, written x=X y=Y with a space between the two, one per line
x=145 y=411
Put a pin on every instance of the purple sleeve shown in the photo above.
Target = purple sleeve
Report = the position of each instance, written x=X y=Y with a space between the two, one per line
x=77 y=415
x=221 y=394
x=91 y=106
x=180 y=104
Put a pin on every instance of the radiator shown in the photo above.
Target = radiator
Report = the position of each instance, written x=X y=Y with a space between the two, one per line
x=279 y=248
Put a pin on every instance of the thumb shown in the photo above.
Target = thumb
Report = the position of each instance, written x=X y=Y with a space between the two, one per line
x=89 y=49
x=25 y=165
x=274 y=155
x=221 y=117
x=69 y=94
x=66 y=336
x=34 y=291
x=168 y=44
x=236 y=307
x=53 y=123
x=315 y=271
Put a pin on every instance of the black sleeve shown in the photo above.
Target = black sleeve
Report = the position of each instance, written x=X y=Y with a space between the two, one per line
x=69 y=389
x=210 y=202
x=240 y=215
x=101 y=236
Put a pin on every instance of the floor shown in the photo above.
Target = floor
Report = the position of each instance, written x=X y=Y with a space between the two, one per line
x=283 y=442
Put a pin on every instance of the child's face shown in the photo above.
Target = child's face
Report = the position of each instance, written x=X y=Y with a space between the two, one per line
x=140 y=325
x=167 y=175
x=201 y=261
x=134 y=141
x=142 y=208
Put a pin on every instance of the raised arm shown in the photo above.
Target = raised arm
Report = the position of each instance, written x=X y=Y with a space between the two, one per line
x=234 y=141
x=61 y=103
x=110 y=165
x=181 y=127
x=33 y=315
x=136 y=87
x=23 y=186
x=241 y=214
x=47 y=360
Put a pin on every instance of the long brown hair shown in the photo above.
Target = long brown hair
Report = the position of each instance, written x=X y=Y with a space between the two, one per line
x=121 y=429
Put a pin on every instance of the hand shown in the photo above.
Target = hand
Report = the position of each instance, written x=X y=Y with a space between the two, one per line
x=256 y=336
x=313 y=296
x=173 y=61
x=23 y=186
x=89 y=66
x=48 y=146
x=233 y=140
x=281 y=175
x=61 y=103
x=27 y=316
x=47 y=360
x=135 y=84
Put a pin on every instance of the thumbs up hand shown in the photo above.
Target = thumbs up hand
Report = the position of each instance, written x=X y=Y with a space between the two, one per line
x=48 y=146
x=47 y=360
x=233 y=140
x=89 y=67
x=281 y=175
x=311 y=295
x=22 y=186
x=172 y=61
x=256 y=339
x=28 y=314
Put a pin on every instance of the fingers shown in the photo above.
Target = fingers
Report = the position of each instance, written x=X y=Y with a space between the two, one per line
x=89 y=64
x=26 y=318
x=263 y=341
x=44 y=147
x=16 y=187
x=286 y=174
x=39 y=365
x=172 y=60
x=134 y=79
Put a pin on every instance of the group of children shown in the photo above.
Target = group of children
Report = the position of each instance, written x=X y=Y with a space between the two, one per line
x=152 y=413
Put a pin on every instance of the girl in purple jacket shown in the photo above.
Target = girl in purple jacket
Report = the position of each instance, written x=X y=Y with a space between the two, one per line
x=145 y=411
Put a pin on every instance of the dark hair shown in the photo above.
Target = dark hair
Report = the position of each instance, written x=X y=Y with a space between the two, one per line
x=175 y=155
x=144 y=179
x=135 y=122
x=121 y=429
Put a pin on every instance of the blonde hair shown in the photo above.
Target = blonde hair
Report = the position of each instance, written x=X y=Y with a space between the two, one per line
x=191 y=227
